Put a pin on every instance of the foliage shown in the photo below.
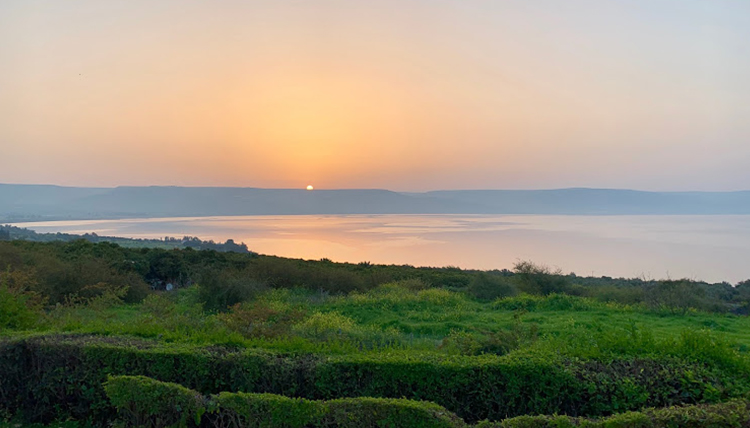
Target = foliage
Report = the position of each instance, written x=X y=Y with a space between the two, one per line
x=63 y=269
x=19 y=307
x=257 y=319
x=69 y=371
x=552 y=302
x=144 y=402
x=150 y=403
x=222 y=289
x=675 y=296
x=539 y=279
x=485 y=286
x=8 y=232
x=732 y=414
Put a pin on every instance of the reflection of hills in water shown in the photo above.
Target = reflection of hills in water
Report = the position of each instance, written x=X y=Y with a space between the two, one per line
x=706 y=247
x=32 y=201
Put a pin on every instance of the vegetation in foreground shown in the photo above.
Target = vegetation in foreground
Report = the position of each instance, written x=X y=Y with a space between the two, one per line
x=481 y=345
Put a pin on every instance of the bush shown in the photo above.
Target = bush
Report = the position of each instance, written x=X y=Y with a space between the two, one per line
x=61 y=280
x=539 y=279
x=461 y=343
x=504 y=341
x=263 y=411
x=220 y=290
x=627 y=295
x=414 y=284
x=144 y=402
x=552 y=302
x=150 y=403
x=675 y=296
x=99 y=296
x=257 y=319
x=382 y=412
x=325 y=326
x=490 y=287
x=19 y=307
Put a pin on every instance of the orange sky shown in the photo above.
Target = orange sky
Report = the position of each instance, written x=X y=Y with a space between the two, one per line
x=405 y=95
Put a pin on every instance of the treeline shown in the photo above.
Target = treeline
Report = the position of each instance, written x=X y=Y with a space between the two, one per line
x=8 y=232
x=55 y=272
x=676 y=296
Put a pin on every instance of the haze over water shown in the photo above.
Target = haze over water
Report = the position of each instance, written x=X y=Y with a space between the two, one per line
x=710 y=248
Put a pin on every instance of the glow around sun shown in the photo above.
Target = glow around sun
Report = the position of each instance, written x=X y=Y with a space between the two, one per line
x=310 y=187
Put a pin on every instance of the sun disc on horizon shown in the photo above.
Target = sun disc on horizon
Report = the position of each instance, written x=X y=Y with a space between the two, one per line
x=310 y=187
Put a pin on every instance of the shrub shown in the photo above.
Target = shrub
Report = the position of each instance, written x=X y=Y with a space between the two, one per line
x=142 y=401
x=257 y=319
x=60 y=280
x=325 y=325
x=504 y=341
x=383 y=412
x=158 y=305
x=484 y=286
x=675 y=296
x=264 y=411
x=99 y=296
x=19 y=307
x=145 y=402
x=626 y=295
x=461 y=343
x=552 y=302
x=414 y=284
x=539 y=279
x=222 y=289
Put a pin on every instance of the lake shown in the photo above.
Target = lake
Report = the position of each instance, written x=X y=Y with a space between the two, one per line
x=710 y=248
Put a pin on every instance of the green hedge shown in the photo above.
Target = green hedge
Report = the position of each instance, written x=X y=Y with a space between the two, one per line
x=733 y=414
x=144 y=402
x=44 y=378
x=147 y=402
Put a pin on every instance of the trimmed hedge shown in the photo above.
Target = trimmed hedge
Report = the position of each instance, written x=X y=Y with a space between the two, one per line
x=145 y=402
x=733 y=414
x=44 y=378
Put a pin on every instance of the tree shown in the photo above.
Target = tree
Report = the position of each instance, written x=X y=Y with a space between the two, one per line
x=539 y=279
x=485 y=286
x=676 y=296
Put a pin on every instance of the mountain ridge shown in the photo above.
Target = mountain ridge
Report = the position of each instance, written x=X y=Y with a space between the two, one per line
x=20 y=202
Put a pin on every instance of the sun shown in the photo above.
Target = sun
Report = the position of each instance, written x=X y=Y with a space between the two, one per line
x=310 y=187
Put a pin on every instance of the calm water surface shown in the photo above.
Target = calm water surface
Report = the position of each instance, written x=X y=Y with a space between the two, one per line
x=711 y=248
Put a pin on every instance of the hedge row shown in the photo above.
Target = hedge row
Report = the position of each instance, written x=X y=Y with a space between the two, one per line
x=732 y=414
x=144 y=402
x=45 y=378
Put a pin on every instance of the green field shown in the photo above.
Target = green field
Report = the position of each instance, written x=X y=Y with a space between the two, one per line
x=315 y=339
x=394 y=317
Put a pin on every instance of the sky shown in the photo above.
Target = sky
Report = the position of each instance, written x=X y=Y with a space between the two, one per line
x=408 y=95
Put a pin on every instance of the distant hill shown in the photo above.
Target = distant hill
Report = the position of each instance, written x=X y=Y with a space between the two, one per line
x=599 y=201
x=40 y=202
x=11 y=233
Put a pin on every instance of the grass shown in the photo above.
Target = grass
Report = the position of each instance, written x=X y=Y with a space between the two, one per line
x=398 y=322
x=394 y=317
